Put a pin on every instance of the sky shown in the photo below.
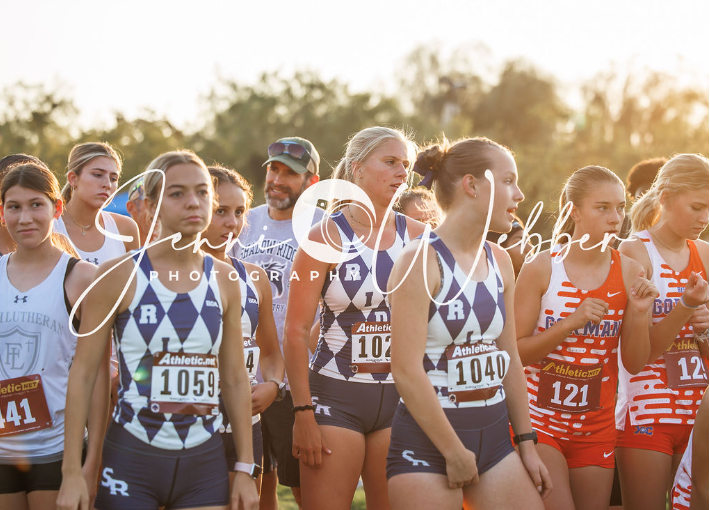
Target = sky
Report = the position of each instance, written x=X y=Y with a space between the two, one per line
x=166 y=56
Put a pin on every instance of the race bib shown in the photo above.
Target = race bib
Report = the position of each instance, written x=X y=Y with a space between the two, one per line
x=23 y=406
x=685 y=366
x=569 y=388
x=184 y=384
x=371 y=347
x=251 y=357
x=475 y=371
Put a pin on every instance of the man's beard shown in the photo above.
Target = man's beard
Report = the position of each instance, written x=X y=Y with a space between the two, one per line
x=288 y=201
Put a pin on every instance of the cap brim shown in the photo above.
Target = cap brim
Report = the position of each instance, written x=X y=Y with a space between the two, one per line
x=293 y=164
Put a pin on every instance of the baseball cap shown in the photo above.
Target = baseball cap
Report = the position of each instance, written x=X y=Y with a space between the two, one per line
x=280 y=151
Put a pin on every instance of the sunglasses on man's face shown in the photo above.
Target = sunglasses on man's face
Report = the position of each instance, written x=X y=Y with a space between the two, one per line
x=295 y=150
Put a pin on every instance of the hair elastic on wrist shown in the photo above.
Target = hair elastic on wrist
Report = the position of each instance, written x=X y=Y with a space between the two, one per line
x=303 y=408
x=682 y=301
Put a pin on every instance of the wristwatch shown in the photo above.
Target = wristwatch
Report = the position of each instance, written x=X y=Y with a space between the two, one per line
x=530 y=436
x=253 y=470
x=281 y=393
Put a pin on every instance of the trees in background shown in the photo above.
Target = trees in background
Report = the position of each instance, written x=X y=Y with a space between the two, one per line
x=621 y=119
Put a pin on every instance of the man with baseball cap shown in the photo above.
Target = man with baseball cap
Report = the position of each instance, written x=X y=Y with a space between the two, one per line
x=292 y=166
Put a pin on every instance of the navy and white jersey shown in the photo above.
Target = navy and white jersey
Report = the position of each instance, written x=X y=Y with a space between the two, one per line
x=353 y=297
x=476 y=315
x=36 y=343
x=250 y=301
x=272 y=245
x=111 y=248
x=160 y=320
x=250 y=320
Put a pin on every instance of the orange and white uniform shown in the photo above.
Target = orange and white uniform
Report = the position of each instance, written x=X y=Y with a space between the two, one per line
x=656 y=407
x=571 y=393
x=683 y=482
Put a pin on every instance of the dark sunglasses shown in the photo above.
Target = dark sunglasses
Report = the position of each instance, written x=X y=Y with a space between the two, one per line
x=295 y=150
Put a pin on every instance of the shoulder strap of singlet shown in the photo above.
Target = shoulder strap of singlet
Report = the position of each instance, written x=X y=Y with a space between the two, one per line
x=400 y=222
x=70 y=265
x=239 y=266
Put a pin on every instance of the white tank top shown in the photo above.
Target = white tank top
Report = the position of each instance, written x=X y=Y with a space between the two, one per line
x=35 y=340
x=111 y=248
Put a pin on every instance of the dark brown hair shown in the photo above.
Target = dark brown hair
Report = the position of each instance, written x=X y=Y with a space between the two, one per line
x=449 y=162
x=39 y=178
x=224 y=174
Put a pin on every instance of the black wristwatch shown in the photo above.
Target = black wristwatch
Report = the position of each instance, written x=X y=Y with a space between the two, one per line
x=530 y=436
x=253 y=470
x=281 y=393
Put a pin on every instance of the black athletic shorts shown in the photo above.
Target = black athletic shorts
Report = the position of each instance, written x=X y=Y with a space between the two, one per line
x=30 y=477
x=231 y=452
x=277 y=433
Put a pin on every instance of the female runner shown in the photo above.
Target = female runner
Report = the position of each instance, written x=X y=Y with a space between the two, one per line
x=656 y=408
x=178 y=332
x=570 y=302
x=345 y=402
x=92 y=177
x=454 y=357
x=263 y=356
x=6 y=243
x=39 y=285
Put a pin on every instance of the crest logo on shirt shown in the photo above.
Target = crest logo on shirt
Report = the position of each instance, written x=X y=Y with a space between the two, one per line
x=275 y=272
x=19 y=351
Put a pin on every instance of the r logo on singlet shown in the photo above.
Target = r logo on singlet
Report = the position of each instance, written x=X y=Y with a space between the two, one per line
x=407 y=454
x=352 y=272
x=455 y=310
x=115 y=486
x=149 y=314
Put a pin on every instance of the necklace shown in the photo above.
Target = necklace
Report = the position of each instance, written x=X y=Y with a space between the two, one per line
x=666 y=247
x=83 y=228
x=372 y=226
x=356 y=220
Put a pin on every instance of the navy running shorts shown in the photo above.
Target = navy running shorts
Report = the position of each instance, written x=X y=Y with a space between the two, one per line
x=138 y=476
x=482 y=430
x=362 y=407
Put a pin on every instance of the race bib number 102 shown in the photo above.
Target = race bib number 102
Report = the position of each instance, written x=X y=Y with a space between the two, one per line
x=371 y=347
x=184 y=384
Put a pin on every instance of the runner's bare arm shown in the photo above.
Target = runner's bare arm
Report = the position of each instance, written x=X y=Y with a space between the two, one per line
x=634 y=342
x=271 y=360
x=532 y=284
x=514 y=383
x=665 y=331
x=410 y=311
x=90 y=352
x=303 y=299
x=234 y=384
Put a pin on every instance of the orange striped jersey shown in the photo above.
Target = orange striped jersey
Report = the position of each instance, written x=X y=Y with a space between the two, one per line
x=669 y=389
x=571 y=392
x=682 y=484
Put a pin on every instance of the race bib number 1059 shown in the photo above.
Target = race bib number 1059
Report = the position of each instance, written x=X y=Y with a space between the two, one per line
x=184 y=384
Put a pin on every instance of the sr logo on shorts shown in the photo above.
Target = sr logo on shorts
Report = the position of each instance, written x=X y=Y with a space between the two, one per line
x=115 y=486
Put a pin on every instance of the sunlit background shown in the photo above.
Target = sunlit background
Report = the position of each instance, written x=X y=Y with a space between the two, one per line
x=562 y=83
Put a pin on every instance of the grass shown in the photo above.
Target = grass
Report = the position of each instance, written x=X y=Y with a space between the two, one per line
x=286 y=501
